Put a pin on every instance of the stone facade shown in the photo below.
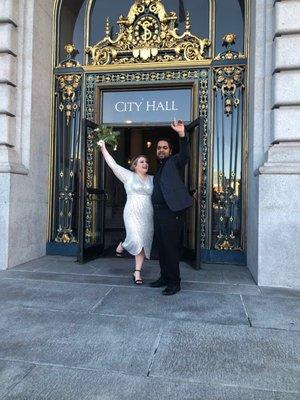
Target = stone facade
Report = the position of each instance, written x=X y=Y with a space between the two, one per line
x=25 y=89
x=274 y=136
x=274 y=151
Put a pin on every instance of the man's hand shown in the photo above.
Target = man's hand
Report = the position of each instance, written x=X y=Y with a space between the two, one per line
x=178 y=127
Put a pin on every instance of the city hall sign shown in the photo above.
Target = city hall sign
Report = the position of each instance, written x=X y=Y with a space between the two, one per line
x=146 y=106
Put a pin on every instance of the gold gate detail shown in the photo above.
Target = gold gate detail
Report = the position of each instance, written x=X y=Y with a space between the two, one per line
x=148 y=33
x=150 y=49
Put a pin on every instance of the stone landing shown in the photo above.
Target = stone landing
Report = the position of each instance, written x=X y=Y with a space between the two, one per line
x=70 y=331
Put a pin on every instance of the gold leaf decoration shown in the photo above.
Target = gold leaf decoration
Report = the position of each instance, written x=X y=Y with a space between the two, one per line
x=148 y=33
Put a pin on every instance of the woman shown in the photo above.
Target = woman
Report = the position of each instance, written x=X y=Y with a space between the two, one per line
x=138 y=211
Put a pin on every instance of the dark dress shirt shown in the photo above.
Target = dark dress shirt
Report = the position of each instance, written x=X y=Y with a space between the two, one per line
x=168 y=182
x=157 y=195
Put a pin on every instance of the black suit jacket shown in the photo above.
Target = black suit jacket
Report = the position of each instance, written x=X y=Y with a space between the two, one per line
x=172 y=186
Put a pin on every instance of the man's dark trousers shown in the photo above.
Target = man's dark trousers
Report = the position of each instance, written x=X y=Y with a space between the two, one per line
x=170 y=199
x=168 y=227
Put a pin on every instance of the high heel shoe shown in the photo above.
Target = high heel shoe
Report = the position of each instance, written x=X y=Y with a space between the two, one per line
x=137 y=281
x=118 y=253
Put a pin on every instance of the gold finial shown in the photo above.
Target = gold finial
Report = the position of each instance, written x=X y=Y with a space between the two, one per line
x=187 y=22
x=229 y=39
x=69 y=49
x=107 y=27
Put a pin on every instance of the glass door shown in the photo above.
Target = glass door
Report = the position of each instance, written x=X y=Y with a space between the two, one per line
x=193 y=179
x=92 y=197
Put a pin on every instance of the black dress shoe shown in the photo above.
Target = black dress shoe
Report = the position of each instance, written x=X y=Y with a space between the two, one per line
x=170 y=291
x=159 y=283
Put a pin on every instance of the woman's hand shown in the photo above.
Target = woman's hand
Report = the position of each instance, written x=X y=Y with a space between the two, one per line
x=178 y=126
x=101 y=144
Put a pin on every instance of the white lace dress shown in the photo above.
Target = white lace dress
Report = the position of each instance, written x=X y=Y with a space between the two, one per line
x=138 y=210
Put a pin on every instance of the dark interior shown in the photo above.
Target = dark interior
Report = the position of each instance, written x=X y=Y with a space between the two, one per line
x=132 y=142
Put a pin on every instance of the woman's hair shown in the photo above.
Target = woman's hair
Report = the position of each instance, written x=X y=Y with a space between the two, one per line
x=135 y=161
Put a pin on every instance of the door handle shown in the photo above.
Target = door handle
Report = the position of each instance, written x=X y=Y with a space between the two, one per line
x=98 y=192
x=194 y=193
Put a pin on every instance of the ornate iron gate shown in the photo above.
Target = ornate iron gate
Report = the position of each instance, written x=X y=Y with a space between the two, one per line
x=149 y=51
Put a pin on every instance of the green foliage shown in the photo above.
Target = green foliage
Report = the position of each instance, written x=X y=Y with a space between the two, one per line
x=107 y=134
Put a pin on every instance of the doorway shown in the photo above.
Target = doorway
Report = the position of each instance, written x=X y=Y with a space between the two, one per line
x=133 y=141
x=103 y=196
x=200 y=56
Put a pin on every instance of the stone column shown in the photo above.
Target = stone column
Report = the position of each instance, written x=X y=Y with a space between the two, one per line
x=10 y=159
x=25 y=77
x=278 y=234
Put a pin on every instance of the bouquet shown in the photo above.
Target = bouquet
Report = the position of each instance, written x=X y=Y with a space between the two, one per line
x=107 y=134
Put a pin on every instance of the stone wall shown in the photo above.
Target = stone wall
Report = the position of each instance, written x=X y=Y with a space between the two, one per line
x=25 y=89
x=274 y=157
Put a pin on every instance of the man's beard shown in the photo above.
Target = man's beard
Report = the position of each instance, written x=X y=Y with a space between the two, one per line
x=162 y=160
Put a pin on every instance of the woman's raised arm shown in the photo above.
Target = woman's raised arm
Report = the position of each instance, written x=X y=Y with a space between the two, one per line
x=121 y=173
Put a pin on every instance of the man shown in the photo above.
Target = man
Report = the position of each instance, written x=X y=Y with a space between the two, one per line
x=170 y=198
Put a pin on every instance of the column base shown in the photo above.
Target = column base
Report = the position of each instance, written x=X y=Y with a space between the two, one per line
x=9 y=161
x=278 y=255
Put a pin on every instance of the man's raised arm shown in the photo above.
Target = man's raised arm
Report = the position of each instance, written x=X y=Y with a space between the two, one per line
x=184 y=151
